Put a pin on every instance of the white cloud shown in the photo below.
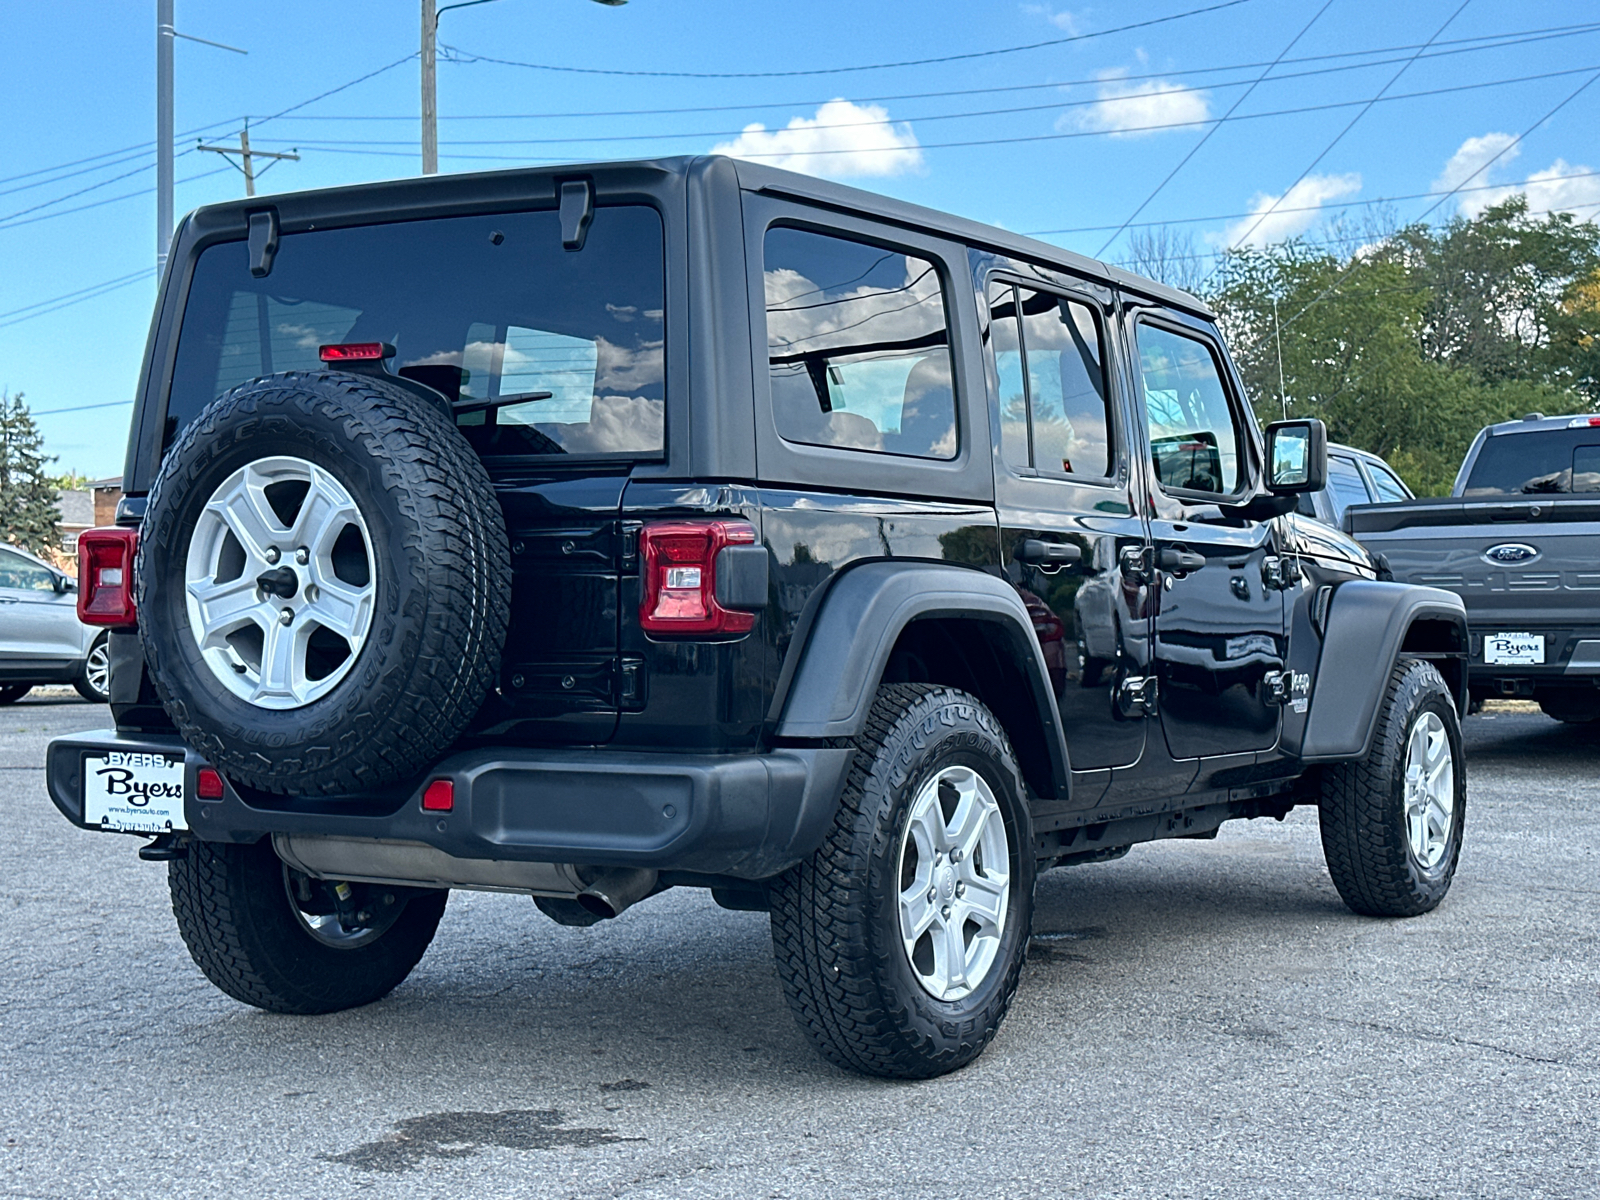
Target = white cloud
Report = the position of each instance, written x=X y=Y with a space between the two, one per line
x=1551 y=189
x=1283 y=221
x=843 y=139
x=1067 y=22
x=1125 y=109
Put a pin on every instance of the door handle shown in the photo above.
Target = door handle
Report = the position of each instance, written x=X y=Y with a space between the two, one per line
x=1171 y=559
x=1049 y=554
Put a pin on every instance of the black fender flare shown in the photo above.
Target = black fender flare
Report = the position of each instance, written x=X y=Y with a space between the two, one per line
x=1365 y=633
x=843 y=650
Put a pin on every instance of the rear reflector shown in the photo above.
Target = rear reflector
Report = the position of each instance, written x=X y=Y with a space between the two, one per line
x=680 y=578
x=356 y=352
x=440 y=796
x=105 y=576
x=208 y=784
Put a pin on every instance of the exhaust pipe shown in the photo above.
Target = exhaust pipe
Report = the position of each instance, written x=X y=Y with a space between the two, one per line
x=616 y=889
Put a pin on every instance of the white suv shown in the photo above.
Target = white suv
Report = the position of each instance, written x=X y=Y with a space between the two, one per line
x=41 y=638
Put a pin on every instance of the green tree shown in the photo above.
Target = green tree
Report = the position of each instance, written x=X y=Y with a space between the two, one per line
x=1412 y=344
x=28 y=513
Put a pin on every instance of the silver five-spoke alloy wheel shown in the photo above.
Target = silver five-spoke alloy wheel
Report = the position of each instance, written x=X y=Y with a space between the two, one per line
x=280 y=582
x=1430 y=789
x=97 y=668
x=955 y=883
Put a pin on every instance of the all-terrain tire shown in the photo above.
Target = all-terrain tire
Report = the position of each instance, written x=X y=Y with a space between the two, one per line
x=835 y=918
x=238 y=920
x=442 y=583
x=1363 y=805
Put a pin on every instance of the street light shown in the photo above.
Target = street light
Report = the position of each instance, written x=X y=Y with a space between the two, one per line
x=430 y=97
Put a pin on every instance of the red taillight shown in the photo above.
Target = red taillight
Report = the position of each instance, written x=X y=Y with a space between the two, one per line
x=208 y=784
x=440 y=796
x=356 y=352
x=680 y=577
x=105 y=576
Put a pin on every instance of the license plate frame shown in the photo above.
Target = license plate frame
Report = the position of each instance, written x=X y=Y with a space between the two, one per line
x=1514 y=649
x=133 y=791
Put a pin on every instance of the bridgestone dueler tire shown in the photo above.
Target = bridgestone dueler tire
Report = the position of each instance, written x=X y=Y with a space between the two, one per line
x=835 y=920
x=1362 y=806
x=443 y=584
x=234 y=913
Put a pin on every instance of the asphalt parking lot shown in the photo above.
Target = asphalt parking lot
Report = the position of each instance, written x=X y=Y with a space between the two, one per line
x=1198 y=1019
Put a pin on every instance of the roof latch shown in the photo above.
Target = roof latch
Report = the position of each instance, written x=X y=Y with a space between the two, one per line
x=263 y=242
x=577 y=210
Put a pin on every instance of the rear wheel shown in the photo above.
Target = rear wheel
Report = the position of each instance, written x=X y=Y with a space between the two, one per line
x=1392 y=823
x=274 y=938
x=94 y=681
x=901 y=939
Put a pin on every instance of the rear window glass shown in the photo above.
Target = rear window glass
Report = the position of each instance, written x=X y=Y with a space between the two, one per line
x=1547 y=461
x=482 y=308
x=857 y=346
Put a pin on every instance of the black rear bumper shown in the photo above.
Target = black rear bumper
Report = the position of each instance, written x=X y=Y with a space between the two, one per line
x=1572 y=661
x=748 y=815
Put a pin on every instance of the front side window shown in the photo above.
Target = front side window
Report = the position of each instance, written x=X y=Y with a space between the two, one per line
x=1389 y=486
x=18 y=572
x=1050 y=364
x=1194 y=439
x=484 y=309
x=1345 y=485
x=858 y=348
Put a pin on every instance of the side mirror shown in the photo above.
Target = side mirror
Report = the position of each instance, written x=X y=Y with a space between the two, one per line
x=1297 y=457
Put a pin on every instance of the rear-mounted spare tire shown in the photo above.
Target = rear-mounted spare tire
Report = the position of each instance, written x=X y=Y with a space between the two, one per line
x=324 y=583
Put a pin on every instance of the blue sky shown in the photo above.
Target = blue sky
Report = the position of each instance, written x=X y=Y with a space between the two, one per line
x=1074 y=148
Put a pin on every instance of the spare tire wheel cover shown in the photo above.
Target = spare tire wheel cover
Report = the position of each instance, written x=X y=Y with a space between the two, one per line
x=324 y=583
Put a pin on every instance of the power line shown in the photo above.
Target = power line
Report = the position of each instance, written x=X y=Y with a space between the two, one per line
x=345 y=147
x=50 y=412
x=1481 y=187
x=93 y=292
x=142 y=147
x=1339 y=137
x=69 y=295
x=914 y=62
x=1571 y=96
x=1499 y=41
x=10 y=224
x=1195 y=149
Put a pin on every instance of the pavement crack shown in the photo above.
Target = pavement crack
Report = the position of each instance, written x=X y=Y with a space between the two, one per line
x=1451 y=1040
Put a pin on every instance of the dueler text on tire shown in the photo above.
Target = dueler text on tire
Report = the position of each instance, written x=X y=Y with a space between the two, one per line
x=901 y=939
x=1392 y=823
x=324 y=583
x=270 y=938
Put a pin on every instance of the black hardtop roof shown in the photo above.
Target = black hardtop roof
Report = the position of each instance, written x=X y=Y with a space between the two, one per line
x=516 y=186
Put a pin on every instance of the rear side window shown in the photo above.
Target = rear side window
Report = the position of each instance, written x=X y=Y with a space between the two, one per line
x=1194 y=438
x=483 y=308
x=1541 y=462
x=858 y=346
x=1389 y=486
x=1345 y=485
x=1050 y=363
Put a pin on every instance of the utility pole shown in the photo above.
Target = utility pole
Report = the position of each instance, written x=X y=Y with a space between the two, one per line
x=164 y=38
x=430 y=90
x=247 y=158
x=165 y=35
x=430 y=96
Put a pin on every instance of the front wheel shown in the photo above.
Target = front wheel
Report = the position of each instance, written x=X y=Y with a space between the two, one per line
x=900 y=941
x=271 y=937
x=1392 y=823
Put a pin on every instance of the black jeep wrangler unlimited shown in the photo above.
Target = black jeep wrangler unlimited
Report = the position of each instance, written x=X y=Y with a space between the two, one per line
x=593 y=531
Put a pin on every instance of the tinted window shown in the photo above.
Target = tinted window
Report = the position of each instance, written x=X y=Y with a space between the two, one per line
x=1053 y=412
x=1345 y=485
x=19 y=572
x=857 y=346
x=1538 y=462
x=482 y=308
x=1194 y=442
x=1389 y=486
